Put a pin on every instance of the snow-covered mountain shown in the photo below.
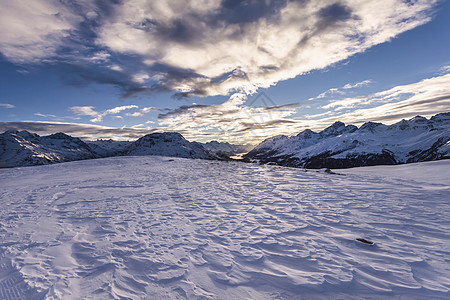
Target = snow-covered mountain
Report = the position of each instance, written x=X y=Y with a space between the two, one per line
x=226 y=148
x=22 y=148
x=167 y=144
x=341 y=146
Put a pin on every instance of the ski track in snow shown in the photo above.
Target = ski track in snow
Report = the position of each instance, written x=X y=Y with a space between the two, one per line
x=171 y=228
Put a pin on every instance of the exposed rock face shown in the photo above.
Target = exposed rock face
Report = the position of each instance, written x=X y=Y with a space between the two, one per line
x=340 y=146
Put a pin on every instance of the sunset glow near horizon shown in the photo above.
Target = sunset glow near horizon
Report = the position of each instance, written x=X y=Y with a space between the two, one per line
x=233 y=71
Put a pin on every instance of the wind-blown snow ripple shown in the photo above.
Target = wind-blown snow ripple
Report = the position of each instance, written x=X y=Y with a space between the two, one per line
x=160 y=228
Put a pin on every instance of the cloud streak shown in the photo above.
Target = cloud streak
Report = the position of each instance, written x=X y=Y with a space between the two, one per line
x=144 y=111
x=85 y=131
x=430 y=88
x=200 y=48
x=98 y=117
x=342 y=90
x=7 y=105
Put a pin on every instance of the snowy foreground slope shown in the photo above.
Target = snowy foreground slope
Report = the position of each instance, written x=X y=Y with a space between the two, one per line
x=173 y=228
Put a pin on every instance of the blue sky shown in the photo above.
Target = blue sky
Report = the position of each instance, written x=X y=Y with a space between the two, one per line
x=237 y=71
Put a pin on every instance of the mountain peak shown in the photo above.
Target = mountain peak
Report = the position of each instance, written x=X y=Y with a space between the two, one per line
x=167 y=144
x=369 y=126
x=306 y=134
x=337 y=128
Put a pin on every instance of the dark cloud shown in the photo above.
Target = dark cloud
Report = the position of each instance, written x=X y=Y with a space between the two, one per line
x=443 y=101
x=181 y=110
x=268 y=125
x=77 y=74
x=334 y=13
x=247 y=11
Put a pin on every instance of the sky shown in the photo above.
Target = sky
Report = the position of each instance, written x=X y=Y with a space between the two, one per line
x=226 y=70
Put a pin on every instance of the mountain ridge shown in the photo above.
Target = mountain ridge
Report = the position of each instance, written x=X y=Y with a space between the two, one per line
x=337 y=146
x=22 y=148
x=344 y=146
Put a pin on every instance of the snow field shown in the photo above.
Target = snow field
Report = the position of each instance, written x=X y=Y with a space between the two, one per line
x=172 y=228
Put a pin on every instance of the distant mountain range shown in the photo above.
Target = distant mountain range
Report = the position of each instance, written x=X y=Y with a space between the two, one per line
x=341 y=146
x=338 y=146
x=224 y=148
x=22 y=148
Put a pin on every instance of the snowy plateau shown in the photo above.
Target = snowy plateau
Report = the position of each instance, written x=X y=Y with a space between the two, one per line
x=154 y=227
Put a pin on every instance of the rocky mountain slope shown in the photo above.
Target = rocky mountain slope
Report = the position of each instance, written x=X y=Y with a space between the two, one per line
x=22 y=148
x=341 y=146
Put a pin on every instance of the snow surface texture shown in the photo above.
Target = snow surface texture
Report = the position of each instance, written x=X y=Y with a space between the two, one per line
x=173 y=228
x=340 y=146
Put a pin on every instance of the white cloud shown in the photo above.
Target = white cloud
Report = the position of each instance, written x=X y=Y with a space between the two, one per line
x=143 y=126
x=55 y=117
x=86 y=131
x=101 y=56
x=140 y=78
x=263 y=52
x=204 y=47
x=32 y=31
x=84 y=110
x=118 y=109
x=45 y=115
x=142 y=112
x=445 y=69
x=98 y=117
x=431 y=88
x=342 y=90
x=357 y=85
x=116 y=68
x=7 y=105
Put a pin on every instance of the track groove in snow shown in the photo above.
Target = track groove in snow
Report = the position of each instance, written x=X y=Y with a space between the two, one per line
x=147 y=227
